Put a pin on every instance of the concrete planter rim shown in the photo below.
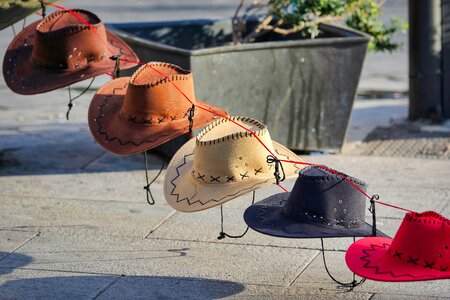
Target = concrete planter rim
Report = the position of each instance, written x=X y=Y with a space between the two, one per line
x=348 y=35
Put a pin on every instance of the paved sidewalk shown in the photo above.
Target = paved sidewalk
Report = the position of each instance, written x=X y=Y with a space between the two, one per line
x=74 y=223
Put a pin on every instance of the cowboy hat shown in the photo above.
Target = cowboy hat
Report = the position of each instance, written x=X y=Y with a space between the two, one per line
x=12 y=11
x=321 y=204
x=222 y=163
x=129 y=115
x=420 y=250
x=60 y=50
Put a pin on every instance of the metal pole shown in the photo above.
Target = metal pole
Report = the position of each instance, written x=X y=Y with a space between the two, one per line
x=425 y=60
x=446 y=55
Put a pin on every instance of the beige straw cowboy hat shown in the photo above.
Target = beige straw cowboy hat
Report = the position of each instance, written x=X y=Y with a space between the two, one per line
x=222 y=163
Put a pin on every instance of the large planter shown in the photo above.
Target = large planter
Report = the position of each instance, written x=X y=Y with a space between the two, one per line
x=302 y=89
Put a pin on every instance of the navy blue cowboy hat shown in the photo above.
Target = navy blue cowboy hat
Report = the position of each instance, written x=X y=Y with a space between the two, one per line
x=321 y=205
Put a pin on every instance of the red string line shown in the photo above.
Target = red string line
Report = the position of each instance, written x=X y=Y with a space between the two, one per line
x=346 y=179
x=82 y=20
x=226 y=117
x=281 y=187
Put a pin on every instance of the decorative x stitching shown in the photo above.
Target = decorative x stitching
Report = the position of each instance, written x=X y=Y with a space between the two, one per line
x=147 y=121
x=230 y=178
x=244 y=175
x=173 y=118
x=215 y=179
x=443 y=269
x=398 y=254
x=429 y=265
x=132 y=119
x=258 y=171
x=412 y=260
x=202 y=177
x=160 y=120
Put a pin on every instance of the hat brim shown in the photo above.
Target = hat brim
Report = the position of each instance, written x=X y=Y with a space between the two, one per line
x=186 y=194
x=127 y=138
x=19 y=10
x=368 y=258
x=22 y=76
x=267 y=217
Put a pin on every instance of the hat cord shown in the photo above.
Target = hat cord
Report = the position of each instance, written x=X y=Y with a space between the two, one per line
x=70 y=104
x=372 y=211
x=191 y=117
x=23 y=26
x=43 y=9
x=116 y=59
x=150 y=199
x=350 y=285
x=222 y=234
x=278 y=165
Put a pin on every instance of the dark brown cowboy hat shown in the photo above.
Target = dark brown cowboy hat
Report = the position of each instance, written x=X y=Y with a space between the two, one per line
x=129 y=115
x=61 y=50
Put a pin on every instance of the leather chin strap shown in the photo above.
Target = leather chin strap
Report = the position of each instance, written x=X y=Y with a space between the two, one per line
x=349 y=285
x=222 y=234
x=147 y=187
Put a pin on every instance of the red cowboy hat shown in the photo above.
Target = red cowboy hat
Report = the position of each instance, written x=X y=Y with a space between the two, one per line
x=419 y=251
x=61 y=50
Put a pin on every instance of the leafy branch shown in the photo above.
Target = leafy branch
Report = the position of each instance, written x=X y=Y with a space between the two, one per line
x=287 y=17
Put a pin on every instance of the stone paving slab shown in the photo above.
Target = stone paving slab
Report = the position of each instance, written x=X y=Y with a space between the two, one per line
x=315 y=276
x=50 y=154
x=42 y=284
x=80 y=217
x=136 y=256
x=109 y=186
x=109 y=162
x=41 y=109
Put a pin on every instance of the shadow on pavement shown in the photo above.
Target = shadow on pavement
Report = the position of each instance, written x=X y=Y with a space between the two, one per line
x=19 y=259
x=64 y=149
x=118 y=287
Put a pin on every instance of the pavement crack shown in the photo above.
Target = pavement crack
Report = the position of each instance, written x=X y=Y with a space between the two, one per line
x=83 y=167
x=160 y=223
x=108 y=286
x=303 y=269
x=234 y=243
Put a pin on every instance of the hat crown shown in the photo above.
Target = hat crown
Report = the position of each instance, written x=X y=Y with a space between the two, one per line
x=65 y=42
x=152 y=96
x=423 y=240
x=322 y=197
x=226 y=153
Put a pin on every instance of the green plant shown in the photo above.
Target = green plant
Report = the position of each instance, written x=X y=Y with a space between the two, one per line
x=291 y=16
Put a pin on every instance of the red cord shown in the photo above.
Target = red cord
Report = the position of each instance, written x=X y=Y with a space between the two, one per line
x=82 y=20
x=226 y=117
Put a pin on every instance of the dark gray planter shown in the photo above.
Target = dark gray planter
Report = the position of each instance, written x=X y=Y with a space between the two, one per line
x=302 y=89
